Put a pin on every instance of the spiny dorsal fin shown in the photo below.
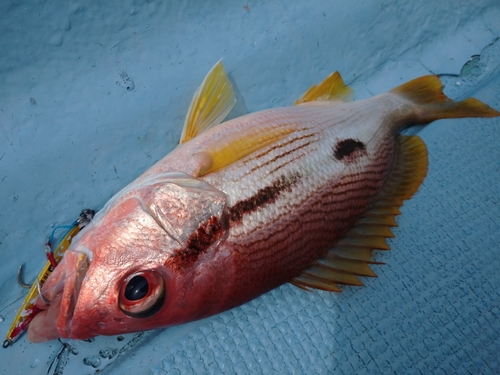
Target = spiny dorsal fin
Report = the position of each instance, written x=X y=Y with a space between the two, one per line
x=211 y=103
x=352 y=255
x=332 y=88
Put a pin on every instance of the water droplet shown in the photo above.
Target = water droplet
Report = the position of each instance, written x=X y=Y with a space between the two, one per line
x=473 y=67
x=73 y=350
x=34 y=363
x=94 y=361
x=107 y=353
x=56 y=40
x=126 y=81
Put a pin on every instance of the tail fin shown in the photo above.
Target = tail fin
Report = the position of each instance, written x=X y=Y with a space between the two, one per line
x=427 y=94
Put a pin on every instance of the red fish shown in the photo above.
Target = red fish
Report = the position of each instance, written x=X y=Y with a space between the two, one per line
x=301 y=194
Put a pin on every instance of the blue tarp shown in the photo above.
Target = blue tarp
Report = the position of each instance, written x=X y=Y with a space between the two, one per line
x=93 y=94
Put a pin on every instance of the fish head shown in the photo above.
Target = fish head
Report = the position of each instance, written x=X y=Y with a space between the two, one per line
x=139 y=264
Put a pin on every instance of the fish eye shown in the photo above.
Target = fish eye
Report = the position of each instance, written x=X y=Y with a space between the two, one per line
x=142 y=294
x=137 y=288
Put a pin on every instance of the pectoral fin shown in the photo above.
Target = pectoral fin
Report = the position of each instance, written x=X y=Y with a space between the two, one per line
x=235 y=146
x=332 y=88
x=211 y=103
x=352 y=255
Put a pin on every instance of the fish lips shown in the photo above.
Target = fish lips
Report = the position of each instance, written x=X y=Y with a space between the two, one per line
x=59 y=296
x=76 y=267
x=62 y=289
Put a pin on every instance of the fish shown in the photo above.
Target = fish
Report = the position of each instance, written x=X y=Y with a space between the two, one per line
x=301 y=194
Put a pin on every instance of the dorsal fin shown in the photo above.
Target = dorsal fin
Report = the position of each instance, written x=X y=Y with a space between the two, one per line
x=332 y=88
x=352 y=255
x=211 y=103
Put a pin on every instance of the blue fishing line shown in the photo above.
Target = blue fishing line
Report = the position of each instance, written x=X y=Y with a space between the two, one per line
x=68 y=227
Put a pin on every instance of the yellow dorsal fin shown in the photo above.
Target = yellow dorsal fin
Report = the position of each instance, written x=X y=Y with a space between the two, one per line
x=236 y=145
x=211 y=103
x=352 y=255
x=332 y=88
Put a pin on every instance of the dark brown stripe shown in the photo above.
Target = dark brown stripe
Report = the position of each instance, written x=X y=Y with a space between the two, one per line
x=350 y=185
x=350 y=192
x=264 y=196
x=278 y=157
x=278 y=146
x=282 y=165
x=281 y=145
x=199 y=241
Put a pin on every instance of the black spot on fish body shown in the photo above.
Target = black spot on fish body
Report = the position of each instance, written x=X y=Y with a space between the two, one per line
x=348 y=149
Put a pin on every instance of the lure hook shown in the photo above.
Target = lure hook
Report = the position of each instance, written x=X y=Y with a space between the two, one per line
x=20 y=278
x=40 y=295
x=85 y=217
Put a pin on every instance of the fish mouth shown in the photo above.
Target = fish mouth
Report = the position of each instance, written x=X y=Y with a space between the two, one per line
x=61 y=291
x=79 y=265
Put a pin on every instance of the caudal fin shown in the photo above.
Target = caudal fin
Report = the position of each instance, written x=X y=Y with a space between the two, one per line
x=427 y=94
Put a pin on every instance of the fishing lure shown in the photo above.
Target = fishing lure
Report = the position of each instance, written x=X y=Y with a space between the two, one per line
x=29 y=309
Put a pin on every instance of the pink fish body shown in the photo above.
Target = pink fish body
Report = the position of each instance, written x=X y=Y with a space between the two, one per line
x=300 y=194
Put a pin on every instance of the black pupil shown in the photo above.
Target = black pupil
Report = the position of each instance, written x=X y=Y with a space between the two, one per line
x=137 y=288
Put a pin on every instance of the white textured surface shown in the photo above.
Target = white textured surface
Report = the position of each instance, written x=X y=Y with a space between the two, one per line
x=73 y=135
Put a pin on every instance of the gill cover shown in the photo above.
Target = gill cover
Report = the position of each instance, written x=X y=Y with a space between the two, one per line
x=181 y=204
x=192 y=213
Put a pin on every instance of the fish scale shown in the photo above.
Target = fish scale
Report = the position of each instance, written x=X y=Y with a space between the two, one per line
x=347 y=198
x=301 y=194
x=326 y=172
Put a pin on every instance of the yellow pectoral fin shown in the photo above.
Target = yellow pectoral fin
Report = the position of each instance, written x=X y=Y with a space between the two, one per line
x=237 y=145
x=211 y=103
x=352 y=255
x=332 y=88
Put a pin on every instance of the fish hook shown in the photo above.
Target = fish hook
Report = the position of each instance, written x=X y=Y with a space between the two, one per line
x=40 y=295
x=20 y=279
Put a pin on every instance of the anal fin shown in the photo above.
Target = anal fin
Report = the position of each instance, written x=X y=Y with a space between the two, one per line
x=352 y=255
